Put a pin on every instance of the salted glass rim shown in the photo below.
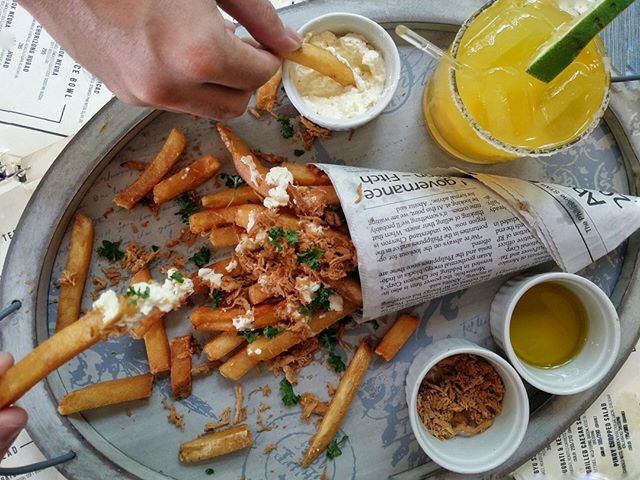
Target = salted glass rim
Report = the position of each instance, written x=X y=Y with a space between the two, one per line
x=513 y=149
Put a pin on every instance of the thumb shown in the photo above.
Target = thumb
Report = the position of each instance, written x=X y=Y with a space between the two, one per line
x=12 y=421
x=263 y=23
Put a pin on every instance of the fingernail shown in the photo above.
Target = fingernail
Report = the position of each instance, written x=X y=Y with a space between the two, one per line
x=294 y=38
x=8 y=434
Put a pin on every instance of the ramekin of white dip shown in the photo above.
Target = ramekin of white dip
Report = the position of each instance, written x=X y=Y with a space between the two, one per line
x=373 y=56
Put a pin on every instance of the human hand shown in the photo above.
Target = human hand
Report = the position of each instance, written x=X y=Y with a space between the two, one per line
x=178 y=55
x=12 y=419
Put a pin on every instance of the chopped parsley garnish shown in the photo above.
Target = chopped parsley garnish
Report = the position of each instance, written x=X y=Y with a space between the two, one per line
x=320 y=301
x=155 y=248
x=187 y=207
x=216 y=298
x=202 y=257
x=209 y=471
x=249 y=335
x=277 y=233
x=291 y=236
x=132 y=292
x=336 y=362
x=270 y=332
x=111 y=250
x=375 y=325
x=289 y=397
x=286 y=129
x=335 y=448
x=311 y=257
x=329 y=338
x=177 y=276
x=231 y=180
x=298 y=153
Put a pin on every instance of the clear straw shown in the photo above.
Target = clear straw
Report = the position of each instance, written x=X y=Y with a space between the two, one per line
x=426 y=46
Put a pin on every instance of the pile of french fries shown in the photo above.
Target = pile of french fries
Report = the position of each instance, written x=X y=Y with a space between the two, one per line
x=233 y=216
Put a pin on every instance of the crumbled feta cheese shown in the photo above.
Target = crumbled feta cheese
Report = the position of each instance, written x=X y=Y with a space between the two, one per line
x=109 y=303
x=261 y=236
x=165 y=297
x=280 y=178
x=335 y=302
x=306 y=287
x=231 y=266
x=312 y=227
x=210 y=277
x=251 y=221
x=253 y=171
x=246 y=243
x=243 y=322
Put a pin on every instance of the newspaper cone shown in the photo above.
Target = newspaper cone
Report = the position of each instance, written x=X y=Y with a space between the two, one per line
x=420 y=236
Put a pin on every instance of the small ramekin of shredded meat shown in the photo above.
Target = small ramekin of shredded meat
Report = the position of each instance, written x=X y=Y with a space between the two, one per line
x=467 y=406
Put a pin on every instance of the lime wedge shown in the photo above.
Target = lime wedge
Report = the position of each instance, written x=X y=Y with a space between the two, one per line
x=560 y=51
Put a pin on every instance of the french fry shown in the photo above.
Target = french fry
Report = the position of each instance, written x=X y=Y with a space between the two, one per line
x=157 y=169
x=306 y=174
x=224 y=236
x=252 y=173
x=186 y=179
x=157 y=346
x=243 y=361
x=181 y=351
x=222 y=345
x=349 y=287
x=200 y=286
x=202 y=222
x=56 y=350
x=257 y=294
x=230 y=197
x=75 y=271
x=208 y=319
x=245 y=212
x=322 y=61
x=325 y=194
x=397 y=336
x=267 y=94
x=107 y=393
x=215 y=444
x=347 y=389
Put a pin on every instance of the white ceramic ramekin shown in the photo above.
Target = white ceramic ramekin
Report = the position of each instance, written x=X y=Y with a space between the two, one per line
x=484 y=451
x=598 y=354
x=342 y=23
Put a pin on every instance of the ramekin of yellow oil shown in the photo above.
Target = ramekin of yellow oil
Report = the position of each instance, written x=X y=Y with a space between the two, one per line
x=559 y=330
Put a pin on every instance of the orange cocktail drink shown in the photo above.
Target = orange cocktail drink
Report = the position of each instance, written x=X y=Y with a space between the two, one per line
x=490 y=109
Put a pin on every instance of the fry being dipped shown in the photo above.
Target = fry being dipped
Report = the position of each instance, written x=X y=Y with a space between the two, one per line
x=111 y=315
x=322 y=61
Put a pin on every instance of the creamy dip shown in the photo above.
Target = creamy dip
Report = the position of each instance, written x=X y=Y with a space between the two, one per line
x=327 y=97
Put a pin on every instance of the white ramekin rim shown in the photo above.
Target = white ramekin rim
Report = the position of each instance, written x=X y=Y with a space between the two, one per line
x=341 y=23
x=519 y=416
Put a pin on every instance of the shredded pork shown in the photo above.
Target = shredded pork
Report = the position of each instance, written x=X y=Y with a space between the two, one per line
x=462 y=394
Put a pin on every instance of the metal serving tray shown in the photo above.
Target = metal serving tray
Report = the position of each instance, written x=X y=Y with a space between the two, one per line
x=88 y=173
